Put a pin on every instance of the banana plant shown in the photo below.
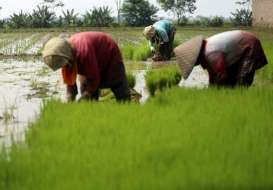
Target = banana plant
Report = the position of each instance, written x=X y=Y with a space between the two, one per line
x=69 y=17
x=42 y=17
x=98 y=17
x=20 y=20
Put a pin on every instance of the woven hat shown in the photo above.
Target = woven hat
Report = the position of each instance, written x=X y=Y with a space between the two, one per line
x=149 y=32
x=187 y=54
x=57 y=53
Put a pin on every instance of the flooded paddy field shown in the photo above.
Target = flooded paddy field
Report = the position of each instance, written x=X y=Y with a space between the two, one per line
x=24 y=85
x=170 y=135
x=25 y=82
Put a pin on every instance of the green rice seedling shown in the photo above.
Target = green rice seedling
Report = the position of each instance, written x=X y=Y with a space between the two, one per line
x=8 y=114
x=127 y=51
x=137 y=52
x=181 y=139
x=160 y=79
x=142 y=52
x=34 y=84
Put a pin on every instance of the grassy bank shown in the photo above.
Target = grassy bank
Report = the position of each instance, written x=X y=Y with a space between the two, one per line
x=181 y=139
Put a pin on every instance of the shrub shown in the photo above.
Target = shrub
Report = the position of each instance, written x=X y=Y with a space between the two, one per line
x=214 y=21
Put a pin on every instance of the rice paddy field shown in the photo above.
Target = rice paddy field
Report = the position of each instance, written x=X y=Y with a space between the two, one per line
x=182 y=134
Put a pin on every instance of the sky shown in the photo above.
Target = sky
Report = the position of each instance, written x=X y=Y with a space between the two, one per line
x=204 y=7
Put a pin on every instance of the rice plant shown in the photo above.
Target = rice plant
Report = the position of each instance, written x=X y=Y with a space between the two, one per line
x=160 y=79
x=181 y=139
x=136 y=52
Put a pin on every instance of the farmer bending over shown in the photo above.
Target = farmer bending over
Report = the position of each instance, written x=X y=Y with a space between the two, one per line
x=231 y=58
x=97 y=60
x=161 y=36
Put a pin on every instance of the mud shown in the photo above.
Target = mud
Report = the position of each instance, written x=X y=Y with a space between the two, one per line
x=23 y=87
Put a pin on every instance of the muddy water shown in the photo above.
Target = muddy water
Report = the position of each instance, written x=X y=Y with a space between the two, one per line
x=24 y=84
x=23 y=87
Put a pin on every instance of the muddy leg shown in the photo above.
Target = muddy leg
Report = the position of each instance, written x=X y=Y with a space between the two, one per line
x=121 y=90
x=84 y=82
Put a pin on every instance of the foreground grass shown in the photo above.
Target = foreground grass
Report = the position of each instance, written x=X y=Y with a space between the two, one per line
x=181 y=139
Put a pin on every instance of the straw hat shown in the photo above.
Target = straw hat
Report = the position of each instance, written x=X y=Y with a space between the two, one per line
x=149 y=32
x=57 y=53
x=187 y=54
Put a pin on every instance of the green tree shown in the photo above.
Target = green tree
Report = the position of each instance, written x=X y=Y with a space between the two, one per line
x=138 y=12
x=20 y=20
x=243 y=15
x=87 y=18
x=98 y=17
x=69 y=17
x=178 y=7
x=42 y=17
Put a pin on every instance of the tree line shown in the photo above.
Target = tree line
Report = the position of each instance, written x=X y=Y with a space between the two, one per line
x=130 y=13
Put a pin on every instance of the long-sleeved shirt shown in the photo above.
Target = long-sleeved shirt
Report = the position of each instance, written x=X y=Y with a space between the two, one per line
x=98 y=58
x=226 y=49
x=163 y=29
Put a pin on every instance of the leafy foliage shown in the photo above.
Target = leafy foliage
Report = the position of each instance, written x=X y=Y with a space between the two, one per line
x=42 y=17
x=69 y=18
x=243 y=15
x=215 y=21
x=20 y=20
x=98 y=17
x=138 y=12
x=178 y=7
